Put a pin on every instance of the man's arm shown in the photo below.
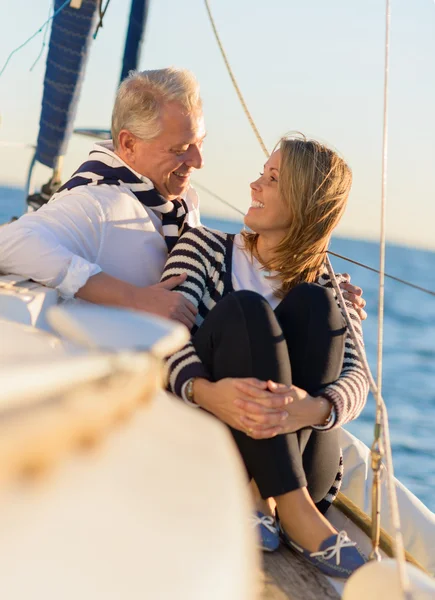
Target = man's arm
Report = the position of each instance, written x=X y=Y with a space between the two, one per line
x=56 y=246
x=157 y=299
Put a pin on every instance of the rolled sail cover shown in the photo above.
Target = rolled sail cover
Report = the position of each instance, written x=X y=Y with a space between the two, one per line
x=70 y=41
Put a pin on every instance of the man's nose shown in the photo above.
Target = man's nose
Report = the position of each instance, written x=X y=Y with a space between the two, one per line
x=195 y=158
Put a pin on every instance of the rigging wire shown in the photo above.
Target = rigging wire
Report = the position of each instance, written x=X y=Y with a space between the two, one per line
x=44 y=39
x=359 y=264
x=196 y=184
x=54 y=15
x=101 y=15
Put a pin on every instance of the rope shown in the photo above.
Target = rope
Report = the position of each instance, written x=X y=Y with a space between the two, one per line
x=236 y=87
x=43 y=427
x=383 y=200
x=34 y=35
x=394 y=510
x=381 y=427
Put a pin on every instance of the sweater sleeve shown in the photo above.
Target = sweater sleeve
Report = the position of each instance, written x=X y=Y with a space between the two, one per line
x=192 y=255
x=348 y=394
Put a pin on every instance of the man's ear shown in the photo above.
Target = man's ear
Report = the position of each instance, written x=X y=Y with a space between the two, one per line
x=126 y=143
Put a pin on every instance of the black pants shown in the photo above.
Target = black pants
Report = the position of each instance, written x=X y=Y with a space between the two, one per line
x=301 y=342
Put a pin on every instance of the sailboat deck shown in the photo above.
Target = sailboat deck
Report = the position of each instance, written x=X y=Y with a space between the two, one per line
x=286 y=576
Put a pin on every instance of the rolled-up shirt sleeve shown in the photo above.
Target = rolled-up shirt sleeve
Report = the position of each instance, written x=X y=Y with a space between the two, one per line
x=58 y=245
x=78 y=272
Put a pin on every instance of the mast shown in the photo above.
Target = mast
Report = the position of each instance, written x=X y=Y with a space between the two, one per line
x=135 y=34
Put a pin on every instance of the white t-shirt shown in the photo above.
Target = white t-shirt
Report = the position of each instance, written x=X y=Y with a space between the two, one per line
x=87 y=230
x=248 y=274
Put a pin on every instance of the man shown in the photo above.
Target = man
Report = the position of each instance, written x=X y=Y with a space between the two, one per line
x=105 y=235
x=97 y=242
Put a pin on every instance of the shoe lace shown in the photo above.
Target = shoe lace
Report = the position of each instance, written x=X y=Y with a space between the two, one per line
x=267 y=521
x=342 y=542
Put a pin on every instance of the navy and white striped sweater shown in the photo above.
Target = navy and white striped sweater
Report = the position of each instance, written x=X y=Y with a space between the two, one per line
x=206 y=256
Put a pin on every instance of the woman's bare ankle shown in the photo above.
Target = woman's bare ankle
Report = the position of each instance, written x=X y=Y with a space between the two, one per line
x=267 y=507
x=302 y=521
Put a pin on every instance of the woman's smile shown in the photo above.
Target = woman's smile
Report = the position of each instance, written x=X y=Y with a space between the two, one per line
x=256 y=204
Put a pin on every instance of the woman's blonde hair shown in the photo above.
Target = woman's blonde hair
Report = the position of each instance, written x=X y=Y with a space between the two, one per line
x=142 y=94
x=314 y=183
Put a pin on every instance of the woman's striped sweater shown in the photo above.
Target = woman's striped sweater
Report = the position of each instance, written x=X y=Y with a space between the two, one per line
x=206 y=256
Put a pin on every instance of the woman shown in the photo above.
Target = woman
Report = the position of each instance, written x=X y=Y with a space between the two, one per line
x=269 y=332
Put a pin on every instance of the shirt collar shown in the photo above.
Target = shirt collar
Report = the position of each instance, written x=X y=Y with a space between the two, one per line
x=107 y=147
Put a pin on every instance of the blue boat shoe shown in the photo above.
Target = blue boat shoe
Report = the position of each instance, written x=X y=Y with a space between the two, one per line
x=337 y=556
x=267 y=531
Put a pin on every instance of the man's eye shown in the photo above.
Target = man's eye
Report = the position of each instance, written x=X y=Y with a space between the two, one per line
x=179 y=151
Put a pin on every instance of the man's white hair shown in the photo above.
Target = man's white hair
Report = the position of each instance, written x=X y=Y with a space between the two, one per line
x=142 y=95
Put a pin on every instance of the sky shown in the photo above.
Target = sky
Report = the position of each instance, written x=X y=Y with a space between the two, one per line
x=303 y=65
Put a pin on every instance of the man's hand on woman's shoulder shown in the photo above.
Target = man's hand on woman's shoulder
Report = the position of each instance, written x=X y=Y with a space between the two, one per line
x=354 y=294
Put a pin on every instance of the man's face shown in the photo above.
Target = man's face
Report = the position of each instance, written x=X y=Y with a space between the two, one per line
x=169 y=159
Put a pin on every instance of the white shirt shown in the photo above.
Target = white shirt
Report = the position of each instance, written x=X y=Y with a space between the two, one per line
x=87 y=230
x=248 y=274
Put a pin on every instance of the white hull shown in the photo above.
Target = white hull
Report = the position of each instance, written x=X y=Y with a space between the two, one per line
x=417 y=521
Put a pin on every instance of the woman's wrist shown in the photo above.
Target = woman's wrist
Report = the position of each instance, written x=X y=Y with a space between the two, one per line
x=201 y=391
x=187 y=393
x=323 y=412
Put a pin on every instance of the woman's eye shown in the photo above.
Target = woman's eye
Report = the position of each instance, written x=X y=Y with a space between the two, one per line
x=271 y=177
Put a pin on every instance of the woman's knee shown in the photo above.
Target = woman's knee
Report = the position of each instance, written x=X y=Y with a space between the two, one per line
x=313 y=293
x=247 y=296
x=315 y=301
x=244 y=339
x=245 y=302
x=238 y=312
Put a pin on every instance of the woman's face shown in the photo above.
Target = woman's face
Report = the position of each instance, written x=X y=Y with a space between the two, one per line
x=268 y=213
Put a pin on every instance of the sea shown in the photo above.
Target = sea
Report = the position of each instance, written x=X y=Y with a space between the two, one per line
x=408 y=346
